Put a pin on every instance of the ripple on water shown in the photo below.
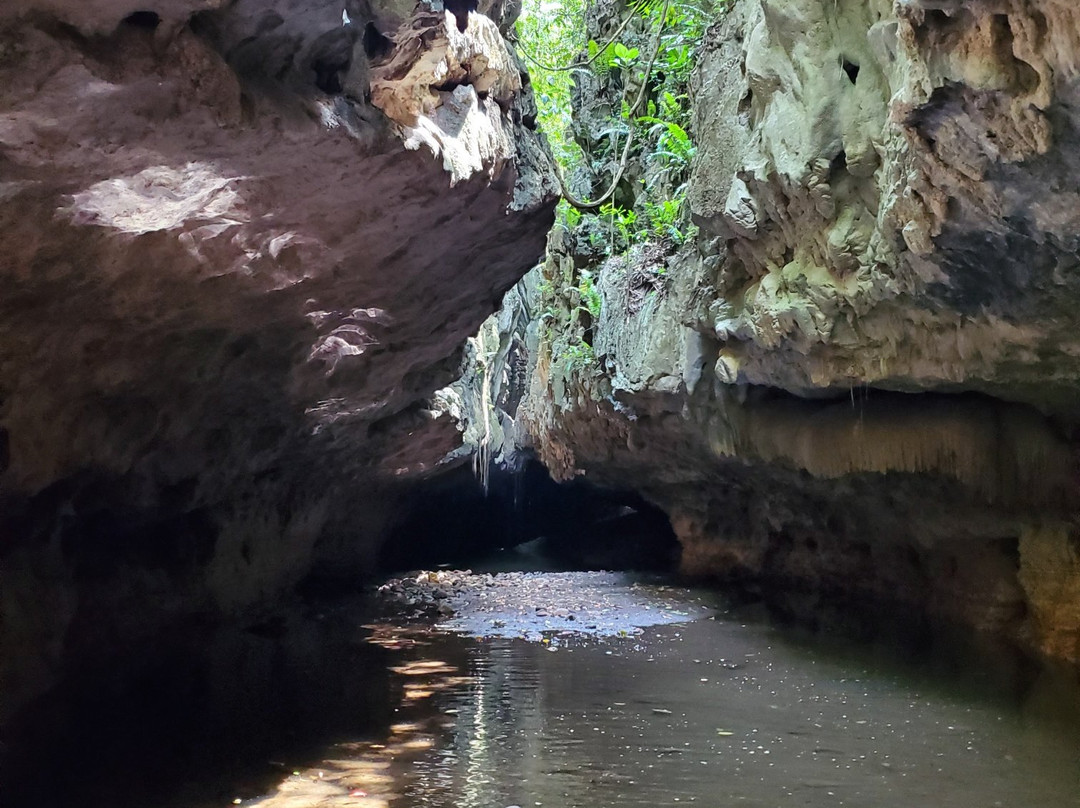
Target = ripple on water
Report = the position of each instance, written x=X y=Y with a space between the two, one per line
x=705 y=706
x=726 y=712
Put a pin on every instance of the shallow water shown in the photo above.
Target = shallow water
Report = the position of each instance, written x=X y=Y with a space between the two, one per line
x=721 y=711
x=723 y=714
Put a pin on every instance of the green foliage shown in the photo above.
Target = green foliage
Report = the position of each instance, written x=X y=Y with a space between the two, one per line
x=590 y=295
x=668 y=149
x=685 y=23
x=623 y=57
x=673 y=149
x=578 y=356
x=621 y=223
x=662 y=149
x=668 y=107
x=678 y=60
x=653 y=210
x=554 y=32
x=567 y=215
x=664 y=219
x=599 y=58
x=615 y=55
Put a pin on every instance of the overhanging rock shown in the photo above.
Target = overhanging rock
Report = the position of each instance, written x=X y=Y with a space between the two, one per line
x=229 y=283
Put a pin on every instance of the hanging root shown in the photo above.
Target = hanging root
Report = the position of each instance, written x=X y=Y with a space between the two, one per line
x=595 y=204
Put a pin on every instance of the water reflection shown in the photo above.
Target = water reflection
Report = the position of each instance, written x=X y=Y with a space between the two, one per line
x=197 y=717
x=727 y=711
x=732 y=713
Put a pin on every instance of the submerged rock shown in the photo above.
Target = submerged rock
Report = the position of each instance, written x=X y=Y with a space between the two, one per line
x=505 y=604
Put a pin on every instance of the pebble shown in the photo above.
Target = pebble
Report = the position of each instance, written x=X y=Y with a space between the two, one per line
x=599 y=603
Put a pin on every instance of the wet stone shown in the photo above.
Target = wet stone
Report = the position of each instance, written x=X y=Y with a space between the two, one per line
x=504 y=605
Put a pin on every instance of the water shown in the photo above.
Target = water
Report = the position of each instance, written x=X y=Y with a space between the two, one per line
x=727 y=714
x=731 y=710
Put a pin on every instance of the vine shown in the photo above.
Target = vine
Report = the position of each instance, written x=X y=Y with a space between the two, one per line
x=548 y=28
x=640 y=155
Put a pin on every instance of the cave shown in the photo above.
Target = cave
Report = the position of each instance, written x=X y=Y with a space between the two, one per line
x=477 y=406
x=532 y=520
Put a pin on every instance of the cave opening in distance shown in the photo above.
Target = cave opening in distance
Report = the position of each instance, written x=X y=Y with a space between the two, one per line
x=526 y=520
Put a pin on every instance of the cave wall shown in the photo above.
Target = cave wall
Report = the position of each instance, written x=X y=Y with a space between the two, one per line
x=239 y=251
x=894 y=193
x=861 y=380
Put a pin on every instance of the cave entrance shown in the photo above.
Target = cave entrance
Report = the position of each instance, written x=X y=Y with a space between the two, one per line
x=526 y=520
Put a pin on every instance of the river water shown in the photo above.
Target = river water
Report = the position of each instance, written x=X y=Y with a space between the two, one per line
x=726 y=708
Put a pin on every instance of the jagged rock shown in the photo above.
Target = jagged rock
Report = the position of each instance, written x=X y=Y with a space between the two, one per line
x=864 y=377
x=890 y=159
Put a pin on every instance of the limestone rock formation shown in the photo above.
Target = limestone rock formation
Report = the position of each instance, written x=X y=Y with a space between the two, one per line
x=863 y=378
x=231 y=280
x=895 y=193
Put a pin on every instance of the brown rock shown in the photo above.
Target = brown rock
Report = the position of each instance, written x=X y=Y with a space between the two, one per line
x=227 y=296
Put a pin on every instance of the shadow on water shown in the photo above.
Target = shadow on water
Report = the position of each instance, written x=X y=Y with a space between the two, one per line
x=791 y=702
x=197 y=718
x=891 y=640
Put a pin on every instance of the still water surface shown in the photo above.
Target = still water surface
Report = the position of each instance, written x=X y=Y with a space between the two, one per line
x=728 y=710
x=722 y=714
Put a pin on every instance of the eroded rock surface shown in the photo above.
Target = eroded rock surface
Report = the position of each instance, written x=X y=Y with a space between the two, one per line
x=230 y=282
x=863 y=378
x=892 y=190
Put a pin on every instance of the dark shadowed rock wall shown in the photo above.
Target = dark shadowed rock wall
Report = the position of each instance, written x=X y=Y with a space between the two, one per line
x=240 y=245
